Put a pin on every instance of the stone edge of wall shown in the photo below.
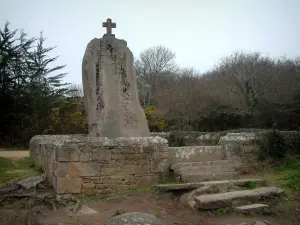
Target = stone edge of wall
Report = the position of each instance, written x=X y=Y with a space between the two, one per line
x=71 y=162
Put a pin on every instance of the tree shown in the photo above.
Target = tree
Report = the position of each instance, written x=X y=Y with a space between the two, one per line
x=28 y=90
x=152 y=65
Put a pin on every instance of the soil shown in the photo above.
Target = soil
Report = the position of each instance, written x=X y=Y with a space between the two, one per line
x=14 y=154
x=165 y=207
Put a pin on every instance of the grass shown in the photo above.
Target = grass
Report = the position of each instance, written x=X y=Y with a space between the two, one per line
x=15 y=169
x=250 y=185
x=222 y=211
x=291 y=179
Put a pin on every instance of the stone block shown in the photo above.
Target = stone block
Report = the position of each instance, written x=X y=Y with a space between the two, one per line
x=101 y=155
x=97 y=181
x=127 y=150
x=100 y=186
x=86 y=148
x=61 y=169
x=131 y=162
x=76 y=169
x=67 y=154
x=144 y=181
x=252 y=208
x=88 y=185
x=88 y=169
x=68 y=185
x=122 y=188
x=143 y=162
x=116 y=157
x=148 y=149
x=110 y=171
x=90 y=191
x=155 y=166
x=133 y=169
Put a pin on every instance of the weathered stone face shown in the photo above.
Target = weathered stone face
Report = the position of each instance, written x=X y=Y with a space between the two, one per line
x=86 y=164
x=110 y=90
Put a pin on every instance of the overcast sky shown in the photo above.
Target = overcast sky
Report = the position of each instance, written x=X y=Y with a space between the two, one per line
x=200 y=32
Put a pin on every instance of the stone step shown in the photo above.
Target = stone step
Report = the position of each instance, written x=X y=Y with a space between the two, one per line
x=206 y=169
x=214 y=201
x=179 y=186
x=195 y=164
x=253 y=208
x=200 y=177
x=219 y=183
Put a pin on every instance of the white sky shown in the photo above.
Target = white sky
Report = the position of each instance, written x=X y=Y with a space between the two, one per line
x=200 y=32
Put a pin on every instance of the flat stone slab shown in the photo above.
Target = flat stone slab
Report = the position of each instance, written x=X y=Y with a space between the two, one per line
x=188 y=198
x=174 y=187
x=243 y=182
x=251 y=208
x=30 y=182
x=134 y=218
x=226 y=199
x=221 y=183
x=239 y=182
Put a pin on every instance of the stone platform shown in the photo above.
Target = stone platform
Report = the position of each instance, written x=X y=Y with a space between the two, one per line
x=76 y=164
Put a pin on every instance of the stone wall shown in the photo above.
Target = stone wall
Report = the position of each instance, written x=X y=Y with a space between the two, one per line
x=242 y=149
x=160 y=134
x=196 y=154
x=83 y=164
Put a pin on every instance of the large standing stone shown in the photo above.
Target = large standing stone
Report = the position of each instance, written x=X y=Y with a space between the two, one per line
x=110 y=89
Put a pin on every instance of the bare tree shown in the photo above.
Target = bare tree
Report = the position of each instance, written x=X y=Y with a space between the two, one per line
x=76 y=90
x=152 y=65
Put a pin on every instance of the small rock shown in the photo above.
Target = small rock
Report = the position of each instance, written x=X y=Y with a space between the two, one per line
x=134 y=218
x=256 y=223
x=84 y=210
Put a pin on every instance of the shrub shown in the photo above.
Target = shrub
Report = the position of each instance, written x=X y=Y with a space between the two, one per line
x=277 y=145
x=154 y=118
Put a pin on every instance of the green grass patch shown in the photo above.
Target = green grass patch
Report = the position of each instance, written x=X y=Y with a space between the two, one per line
x=250 y=185
x=15 y=169
x=291 y=168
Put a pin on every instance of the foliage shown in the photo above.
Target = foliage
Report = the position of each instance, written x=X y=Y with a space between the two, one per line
x=277 y=145
x=29 y=86
x=67 y=117
x=242 y=90
x=176 y=138
x=250 y=185
x=222 y=211
x=9 y=170
x=155 y=122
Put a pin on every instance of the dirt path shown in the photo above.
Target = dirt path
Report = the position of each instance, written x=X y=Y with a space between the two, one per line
x=166 y=208
x=14 y=154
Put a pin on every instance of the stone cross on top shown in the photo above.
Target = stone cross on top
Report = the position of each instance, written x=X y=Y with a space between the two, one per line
x=108 y=24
